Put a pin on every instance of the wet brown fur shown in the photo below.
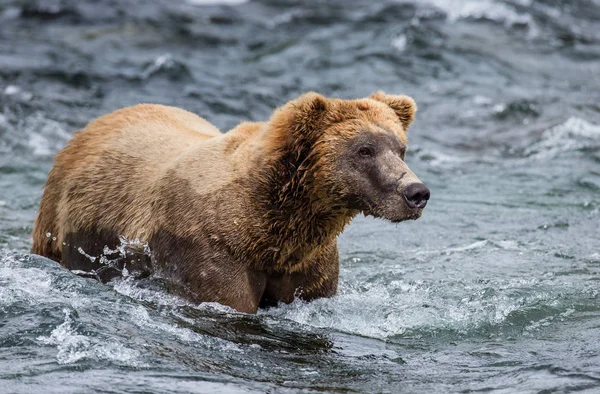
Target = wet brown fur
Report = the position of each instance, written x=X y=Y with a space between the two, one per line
x=247 y=218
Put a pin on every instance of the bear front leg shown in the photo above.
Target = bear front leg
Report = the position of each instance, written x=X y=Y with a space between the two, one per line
x=239 y=289
x=204 y=272
x=319 y=279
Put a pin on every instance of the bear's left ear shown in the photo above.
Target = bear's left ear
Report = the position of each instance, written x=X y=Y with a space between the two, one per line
x=308 y=111
x=404 y=106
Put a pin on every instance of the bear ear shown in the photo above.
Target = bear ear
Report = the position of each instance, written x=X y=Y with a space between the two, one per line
x=299 y=122
x=302 y=118
x=309 y=110
x=404 y=106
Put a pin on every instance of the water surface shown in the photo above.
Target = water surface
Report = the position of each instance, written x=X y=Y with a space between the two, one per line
x=495 y=288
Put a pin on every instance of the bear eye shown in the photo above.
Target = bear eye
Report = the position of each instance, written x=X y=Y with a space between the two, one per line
x=366 y=151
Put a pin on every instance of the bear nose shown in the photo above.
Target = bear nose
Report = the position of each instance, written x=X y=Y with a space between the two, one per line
x=416 y=195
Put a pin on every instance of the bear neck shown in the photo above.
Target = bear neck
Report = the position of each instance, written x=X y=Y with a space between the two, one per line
x=298 y=215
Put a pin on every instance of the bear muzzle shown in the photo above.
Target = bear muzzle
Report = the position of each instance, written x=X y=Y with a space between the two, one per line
x=416 y=195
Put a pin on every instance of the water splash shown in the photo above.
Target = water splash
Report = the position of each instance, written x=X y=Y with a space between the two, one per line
x=217 y=2
x=573 y=135
x=116 y=258
x=73 y=347
x=482 y=9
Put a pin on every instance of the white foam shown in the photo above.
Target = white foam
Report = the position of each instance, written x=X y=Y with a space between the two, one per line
x=507 y=244
x=573 y=134
x=11 y=90
x=374 y=311
x=44 y=136
x=141 y=318
x=285 y=17
x=19 y=284
x=129 y=288
x=481 y=9
x=400 y=42
x=482 y=100
x=22 y=284
x=217 y=2
x=448 y=251
x=73 y=347
x=381 y=307
x=165 y=61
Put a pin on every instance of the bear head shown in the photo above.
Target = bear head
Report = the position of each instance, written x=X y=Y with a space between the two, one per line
x=350 y=153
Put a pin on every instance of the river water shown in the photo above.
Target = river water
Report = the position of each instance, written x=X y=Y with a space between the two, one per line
x=496 y=287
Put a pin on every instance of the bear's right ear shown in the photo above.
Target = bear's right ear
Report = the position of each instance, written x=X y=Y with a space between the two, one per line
x=308 y=113
x=404 y=106
x=300 y=120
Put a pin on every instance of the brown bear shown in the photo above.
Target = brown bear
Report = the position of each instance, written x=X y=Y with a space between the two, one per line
x=248 y=218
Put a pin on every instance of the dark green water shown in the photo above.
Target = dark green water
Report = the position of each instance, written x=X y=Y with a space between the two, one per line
x=495 y=289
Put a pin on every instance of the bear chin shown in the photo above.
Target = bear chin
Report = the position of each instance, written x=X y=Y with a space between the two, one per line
x=396 y=218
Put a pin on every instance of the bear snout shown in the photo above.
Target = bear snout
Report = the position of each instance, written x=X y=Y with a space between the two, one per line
x=416 y=195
